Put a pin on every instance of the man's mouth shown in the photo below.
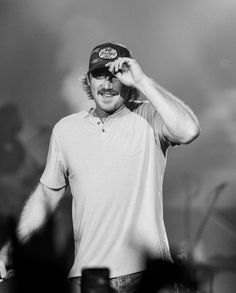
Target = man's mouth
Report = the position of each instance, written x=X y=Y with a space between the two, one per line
x=108 y=93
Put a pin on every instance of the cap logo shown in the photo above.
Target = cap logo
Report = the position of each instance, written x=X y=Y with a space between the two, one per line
x=108 y=53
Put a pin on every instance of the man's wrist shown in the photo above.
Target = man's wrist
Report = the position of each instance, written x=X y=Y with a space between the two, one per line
x=144 y=84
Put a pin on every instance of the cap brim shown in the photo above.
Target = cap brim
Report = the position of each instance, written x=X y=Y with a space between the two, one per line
x=98 y=66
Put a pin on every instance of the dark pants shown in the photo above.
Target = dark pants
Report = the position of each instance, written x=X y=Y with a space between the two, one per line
x=122 y=284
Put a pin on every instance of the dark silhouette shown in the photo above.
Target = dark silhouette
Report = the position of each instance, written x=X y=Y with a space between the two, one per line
x=11 y=150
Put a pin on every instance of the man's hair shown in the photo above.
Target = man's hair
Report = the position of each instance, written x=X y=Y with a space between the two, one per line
x=133 y=92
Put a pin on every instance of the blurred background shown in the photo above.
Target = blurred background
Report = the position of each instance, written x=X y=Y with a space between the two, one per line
x=188 y=46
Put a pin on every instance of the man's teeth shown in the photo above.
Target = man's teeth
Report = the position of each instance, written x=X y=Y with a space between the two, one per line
x=108 y=94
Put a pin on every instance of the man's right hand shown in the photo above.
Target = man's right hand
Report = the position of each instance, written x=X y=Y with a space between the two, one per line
x=3 y=270
x=5 y=252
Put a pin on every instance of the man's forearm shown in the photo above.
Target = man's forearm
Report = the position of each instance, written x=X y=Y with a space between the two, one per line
x=180 y=121
x=31 y=219
x=38 y=207
x=41 y=203
x=33 y=214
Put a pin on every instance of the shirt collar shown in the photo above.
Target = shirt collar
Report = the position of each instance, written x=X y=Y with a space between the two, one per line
x=121 y=112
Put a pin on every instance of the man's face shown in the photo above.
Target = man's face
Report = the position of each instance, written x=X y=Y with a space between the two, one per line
x=107 y=91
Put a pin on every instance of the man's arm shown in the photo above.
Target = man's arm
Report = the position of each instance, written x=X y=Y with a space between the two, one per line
x=180 y=123
x=41 y=203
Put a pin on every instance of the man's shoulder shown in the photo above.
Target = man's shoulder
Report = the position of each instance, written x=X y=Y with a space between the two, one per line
x=142 y=108
x=70 y=120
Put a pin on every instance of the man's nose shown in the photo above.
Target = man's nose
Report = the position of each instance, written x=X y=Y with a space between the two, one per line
x=108 y=82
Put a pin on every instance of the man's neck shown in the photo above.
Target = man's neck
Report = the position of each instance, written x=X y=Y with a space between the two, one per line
x=103 y=114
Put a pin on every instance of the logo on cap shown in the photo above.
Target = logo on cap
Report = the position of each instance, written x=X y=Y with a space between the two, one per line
x=108 y=53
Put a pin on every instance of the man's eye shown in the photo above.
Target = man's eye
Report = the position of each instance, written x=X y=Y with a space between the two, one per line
x=100 y=76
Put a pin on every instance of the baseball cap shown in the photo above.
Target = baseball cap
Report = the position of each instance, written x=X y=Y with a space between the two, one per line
x=107 y=52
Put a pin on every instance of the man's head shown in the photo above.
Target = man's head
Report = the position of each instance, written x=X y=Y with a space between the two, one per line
x=107 y=52
x=102 y=85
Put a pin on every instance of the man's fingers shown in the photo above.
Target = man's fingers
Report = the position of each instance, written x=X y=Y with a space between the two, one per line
x=3 y=270
x=122 y=64
x=110 y=66
x=10 y=274
x=118 y=75
x=119 y=65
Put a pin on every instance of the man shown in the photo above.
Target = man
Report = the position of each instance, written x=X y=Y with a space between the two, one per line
x=114 y=160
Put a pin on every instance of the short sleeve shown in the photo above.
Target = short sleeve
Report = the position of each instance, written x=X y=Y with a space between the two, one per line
x=55 y=174
x=148 y=112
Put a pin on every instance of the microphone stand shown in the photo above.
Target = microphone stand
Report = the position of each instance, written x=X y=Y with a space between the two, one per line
x=217 y=191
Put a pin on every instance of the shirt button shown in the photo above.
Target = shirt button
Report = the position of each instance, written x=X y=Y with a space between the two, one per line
x=103 y=130
x=98 y=122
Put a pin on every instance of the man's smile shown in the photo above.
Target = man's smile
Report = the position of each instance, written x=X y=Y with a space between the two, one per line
x=108 y=93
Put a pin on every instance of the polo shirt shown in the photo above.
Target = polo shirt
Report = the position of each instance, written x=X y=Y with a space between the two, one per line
x=115 y=170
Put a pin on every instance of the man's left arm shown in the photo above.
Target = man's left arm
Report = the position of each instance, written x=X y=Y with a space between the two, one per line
x=180 y=123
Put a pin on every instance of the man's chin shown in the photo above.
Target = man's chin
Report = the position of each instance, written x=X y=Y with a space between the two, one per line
x=109 y=108
x=108 y=102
